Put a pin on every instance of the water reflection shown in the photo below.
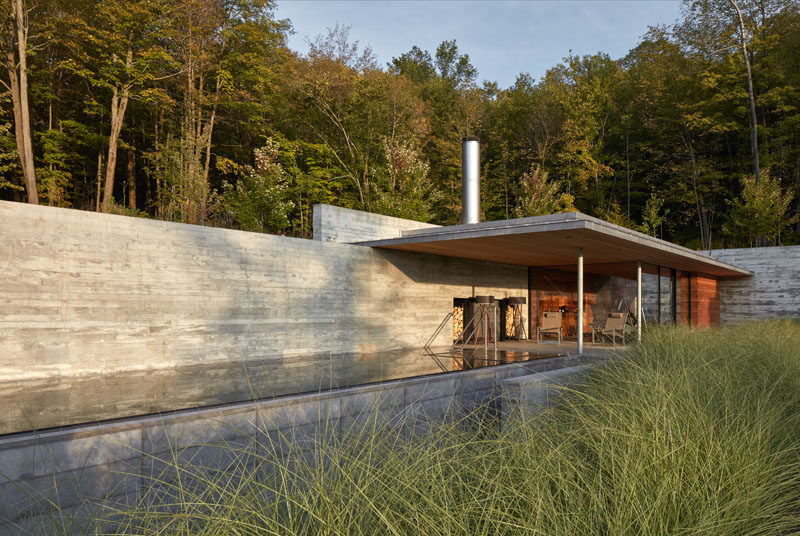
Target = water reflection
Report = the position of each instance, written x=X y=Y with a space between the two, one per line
x=39 y=404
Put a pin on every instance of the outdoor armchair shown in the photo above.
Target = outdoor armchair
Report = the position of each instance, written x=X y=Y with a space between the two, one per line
x=551 y=323
x=614 y=327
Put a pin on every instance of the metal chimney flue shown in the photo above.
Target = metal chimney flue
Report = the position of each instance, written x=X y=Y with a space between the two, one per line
x=470 y=181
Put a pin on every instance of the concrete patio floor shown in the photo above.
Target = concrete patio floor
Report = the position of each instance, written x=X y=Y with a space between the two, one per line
x=554 y=347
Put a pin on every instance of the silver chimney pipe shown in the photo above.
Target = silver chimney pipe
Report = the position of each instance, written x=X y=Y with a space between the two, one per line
x=470 y=181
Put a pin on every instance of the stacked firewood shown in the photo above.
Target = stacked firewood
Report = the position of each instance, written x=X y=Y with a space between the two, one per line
x=510 y=322
x=458 y=321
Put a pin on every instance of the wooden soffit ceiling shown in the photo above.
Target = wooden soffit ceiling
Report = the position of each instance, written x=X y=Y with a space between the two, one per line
x=553 y=241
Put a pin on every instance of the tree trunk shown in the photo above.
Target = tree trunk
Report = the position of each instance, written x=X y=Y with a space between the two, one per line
x=302 y=222
x=119 y=102
x=628 y=171
x=702 y=213
x=99 y=180
x=131 y=179
x=18 y=78
x=750 y=92
x=118 y=105
x=11 y=64
x=188 y=144
x=157 y=165
x=198 y=132
x=207 y=133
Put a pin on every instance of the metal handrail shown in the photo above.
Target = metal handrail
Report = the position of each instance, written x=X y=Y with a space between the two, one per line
x=467 y=326
x=439 y=329
x=475 y=325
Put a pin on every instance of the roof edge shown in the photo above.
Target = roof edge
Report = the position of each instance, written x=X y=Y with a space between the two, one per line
x=551 y=222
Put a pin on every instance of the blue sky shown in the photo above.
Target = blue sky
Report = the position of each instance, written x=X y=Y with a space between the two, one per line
x=502 y=38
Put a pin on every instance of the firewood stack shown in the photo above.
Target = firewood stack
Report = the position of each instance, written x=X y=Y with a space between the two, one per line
x=458 y=321
x=510 y=331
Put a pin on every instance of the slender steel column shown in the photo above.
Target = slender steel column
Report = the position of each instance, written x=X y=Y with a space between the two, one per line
x=639 y=308
x=580 y=301
x=494 y=338
x=530 y=304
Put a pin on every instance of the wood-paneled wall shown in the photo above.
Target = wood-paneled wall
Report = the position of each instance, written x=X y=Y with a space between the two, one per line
x=704 y=306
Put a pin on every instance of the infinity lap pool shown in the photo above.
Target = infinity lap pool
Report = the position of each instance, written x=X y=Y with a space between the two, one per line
x=57 y=402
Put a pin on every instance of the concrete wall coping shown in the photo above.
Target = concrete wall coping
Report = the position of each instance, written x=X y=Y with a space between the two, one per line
x=770 y=249
x=544 y=377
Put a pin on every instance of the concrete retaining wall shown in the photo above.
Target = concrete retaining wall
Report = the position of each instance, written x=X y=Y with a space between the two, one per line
x=85 y=293
x=772 y=291
x=337 y=224
x=79 y=469
x=525 y=396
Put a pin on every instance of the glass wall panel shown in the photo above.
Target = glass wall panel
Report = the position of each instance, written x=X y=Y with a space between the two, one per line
x=556 y=291
x=664 y=297
x=664 y=314
x=658 y=295
x=614 y=295
x=651 y=297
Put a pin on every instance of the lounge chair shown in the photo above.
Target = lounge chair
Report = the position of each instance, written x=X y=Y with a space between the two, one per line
x=614 y=327
x=551 y=323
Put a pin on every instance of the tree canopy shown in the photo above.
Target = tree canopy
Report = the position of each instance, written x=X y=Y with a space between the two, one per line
x=197 y=111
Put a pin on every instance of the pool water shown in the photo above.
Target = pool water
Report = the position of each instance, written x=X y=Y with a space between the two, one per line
x=50 y=403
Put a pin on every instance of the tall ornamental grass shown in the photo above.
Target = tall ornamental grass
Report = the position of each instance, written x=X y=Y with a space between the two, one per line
x=690 y=432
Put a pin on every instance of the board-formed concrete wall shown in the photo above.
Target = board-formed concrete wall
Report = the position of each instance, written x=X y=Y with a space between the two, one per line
x=337 y=224
x=84 y=293
x=773 y=290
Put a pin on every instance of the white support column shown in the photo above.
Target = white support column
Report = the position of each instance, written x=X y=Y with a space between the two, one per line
x=639 y=308
x=580 y=301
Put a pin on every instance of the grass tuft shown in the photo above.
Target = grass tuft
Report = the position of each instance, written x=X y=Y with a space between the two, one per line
x=691 y=432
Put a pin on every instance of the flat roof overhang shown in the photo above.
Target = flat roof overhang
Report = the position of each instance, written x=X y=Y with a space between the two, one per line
x=553 y=241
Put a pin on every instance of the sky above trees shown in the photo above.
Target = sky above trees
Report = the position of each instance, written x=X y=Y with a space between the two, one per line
x=501 y=38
